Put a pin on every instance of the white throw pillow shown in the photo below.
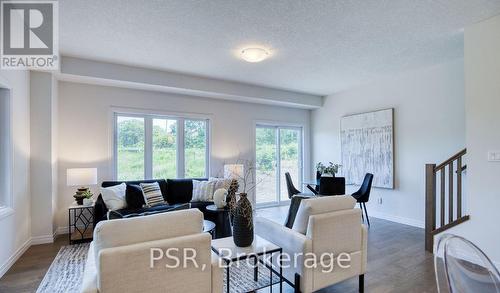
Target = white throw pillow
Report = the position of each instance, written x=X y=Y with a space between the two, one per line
x=114 y=196
x=220 y=183
x=203 y=190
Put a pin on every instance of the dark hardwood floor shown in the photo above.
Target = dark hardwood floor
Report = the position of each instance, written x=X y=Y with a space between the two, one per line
x=27 y=273
x=397 y=261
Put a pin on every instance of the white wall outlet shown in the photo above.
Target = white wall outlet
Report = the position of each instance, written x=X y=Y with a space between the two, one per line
x=494 y=156
x=379 y=200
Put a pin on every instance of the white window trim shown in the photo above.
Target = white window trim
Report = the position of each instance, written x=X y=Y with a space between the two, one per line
x=5 y=212
x=279 y=124
x=148 y=116
x=6 y=209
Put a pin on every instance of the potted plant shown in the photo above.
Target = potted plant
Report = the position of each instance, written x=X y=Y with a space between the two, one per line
x=81 y=194
x=329 y=170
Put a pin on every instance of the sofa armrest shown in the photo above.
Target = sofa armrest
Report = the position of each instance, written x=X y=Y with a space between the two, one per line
x=131 y=213
x=217 y=274
x=290 y=240
x=294 y=244
x=89 y=282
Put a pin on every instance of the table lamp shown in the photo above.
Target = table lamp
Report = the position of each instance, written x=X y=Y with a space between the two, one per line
x=81 y=177
x=233 y=171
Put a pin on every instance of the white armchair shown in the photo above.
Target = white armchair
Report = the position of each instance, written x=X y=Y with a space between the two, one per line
x=323 y=225
x=119 y=259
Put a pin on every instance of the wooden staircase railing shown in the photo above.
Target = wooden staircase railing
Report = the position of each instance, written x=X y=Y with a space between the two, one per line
x=447 y=171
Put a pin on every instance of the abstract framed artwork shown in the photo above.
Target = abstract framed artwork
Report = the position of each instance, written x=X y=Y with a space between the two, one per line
x=367 y=146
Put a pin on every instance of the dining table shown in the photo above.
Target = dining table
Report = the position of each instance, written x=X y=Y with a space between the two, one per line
x=314 y=186
x=309 y=185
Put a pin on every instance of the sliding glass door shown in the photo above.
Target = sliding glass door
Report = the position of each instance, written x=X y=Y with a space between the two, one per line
x=278 y=149
x=266 y=164
x=290 y=152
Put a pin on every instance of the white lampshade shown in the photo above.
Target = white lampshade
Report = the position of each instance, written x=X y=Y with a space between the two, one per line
x=233 y=171
x=81 y=176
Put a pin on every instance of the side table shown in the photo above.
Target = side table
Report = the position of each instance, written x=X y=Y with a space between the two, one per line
x=209 y=226
x=221 y=217
x=80 y=223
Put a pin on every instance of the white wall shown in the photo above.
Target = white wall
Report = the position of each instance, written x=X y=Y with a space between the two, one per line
x=43 y=156
x=429 y=127
x=482 y=100
x=54 y=142
x=15 y=228
x=85 y=123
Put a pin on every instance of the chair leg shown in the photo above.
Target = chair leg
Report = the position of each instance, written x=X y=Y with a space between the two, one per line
x=297 y=283
x=366 y=214
x=361 y=283
x=362 y=216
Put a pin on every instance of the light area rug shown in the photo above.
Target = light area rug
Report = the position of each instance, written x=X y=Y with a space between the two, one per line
x=65 y=274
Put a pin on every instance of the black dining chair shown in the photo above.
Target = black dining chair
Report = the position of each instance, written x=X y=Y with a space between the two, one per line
x=318 y=179
x=290 y=187
x=363 y=194
x=296 y=197
x=332 y=186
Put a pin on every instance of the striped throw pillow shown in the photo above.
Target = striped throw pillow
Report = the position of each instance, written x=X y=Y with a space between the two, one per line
x=203 y=191
x=152 y=194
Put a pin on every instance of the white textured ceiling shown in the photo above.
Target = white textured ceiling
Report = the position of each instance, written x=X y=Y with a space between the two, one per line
x=318 y=47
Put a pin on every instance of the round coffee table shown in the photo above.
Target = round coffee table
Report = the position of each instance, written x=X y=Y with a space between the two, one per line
x=221 y=216
x=209 y=226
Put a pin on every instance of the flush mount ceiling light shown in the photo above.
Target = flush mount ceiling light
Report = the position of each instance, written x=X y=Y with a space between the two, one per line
x=254 y=55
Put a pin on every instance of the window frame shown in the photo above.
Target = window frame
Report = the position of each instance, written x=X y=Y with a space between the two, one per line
x=6 y=195
x=148 y=117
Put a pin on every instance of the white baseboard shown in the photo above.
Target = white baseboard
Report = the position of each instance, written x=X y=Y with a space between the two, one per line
x=397 y=219
x=6 y=266
x=62 y=230
x=44 y=239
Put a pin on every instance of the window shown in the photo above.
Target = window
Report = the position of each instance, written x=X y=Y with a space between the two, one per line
x=165 y=148
x=278 y=150
x=152 y=146
x=130 y=147
x=195 y=148
x=5 y=151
